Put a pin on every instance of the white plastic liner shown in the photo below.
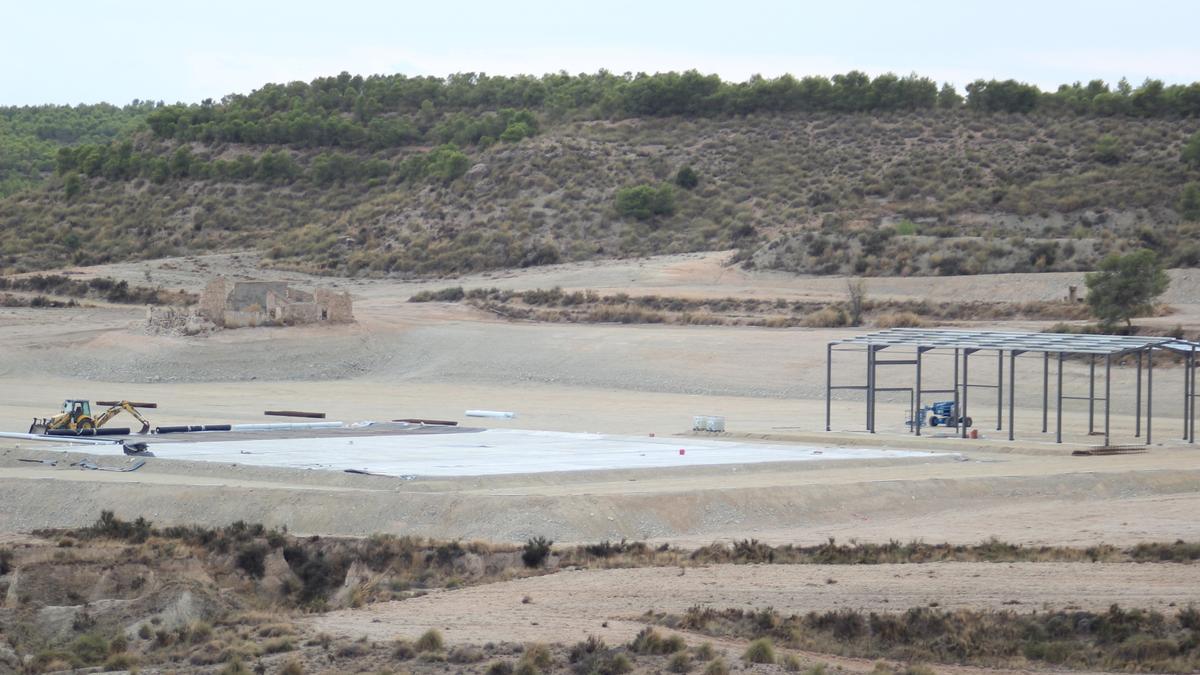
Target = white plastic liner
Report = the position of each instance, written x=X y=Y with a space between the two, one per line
x=500 y=451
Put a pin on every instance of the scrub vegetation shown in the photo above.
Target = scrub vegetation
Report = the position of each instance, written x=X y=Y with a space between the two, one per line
x=559 y=306
x=131 y=594
x=398 y=176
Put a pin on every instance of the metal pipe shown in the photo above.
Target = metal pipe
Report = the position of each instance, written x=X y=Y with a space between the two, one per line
x=999 y=388
x=180 y=429
x=1091 y=394
x=1012 y=390
x=1058 y=421
x=828 y=384
x=1149 y=392
x=103 y=431
x=1045 y=390
x=1107 y=396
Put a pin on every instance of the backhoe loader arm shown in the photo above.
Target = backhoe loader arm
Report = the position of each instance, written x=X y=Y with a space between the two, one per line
x=107 y=415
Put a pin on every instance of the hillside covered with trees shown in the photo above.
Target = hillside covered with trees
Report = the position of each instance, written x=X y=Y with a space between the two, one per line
x=392 y=175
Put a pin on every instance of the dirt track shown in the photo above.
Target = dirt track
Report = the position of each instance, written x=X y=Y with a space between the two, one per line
x=575 y=604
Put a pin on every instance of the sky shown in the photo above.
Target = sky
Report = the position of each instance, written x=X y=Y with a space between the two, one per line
x=67 y=52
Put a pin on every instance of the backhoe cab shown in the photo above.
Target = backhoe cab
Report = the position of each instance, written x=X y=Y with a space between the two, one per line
x=76 y=415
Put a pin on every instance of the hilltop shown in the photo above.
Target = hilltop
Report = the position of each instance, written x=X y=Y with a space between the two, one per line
x=395 y=176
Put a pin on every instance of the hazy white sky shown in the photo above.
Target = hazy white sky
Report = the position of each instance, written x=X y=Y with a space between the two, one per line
x=58 y=51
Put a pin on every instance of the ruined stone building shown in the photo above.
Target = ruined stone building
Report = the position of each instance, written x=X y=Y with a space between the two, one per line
x=237 y=304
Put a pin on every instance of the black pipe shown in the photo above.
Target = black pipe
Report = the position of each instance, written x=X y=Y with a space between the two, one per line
x=114 y=431
x=195 y=427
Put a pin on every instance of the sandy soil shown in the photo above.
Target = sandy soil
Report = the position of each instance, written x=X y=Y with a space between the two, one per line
x=575 y=604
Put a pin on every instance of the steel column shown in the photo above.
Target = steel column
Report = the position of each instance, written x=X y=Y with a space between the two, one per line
x=1091 y=394
x=1187 y=388
x=916 y=418
x=1137 y=413
x=1107 y=395
x=828 y=384
x=1149 y=391
x=957 y=412
x=871 y=388
x=1193 y=395
x=1045 y=390
x=1012 y=390
x=966 y=386
x=1193 y=440
x=1058 y=422
x=999 y=388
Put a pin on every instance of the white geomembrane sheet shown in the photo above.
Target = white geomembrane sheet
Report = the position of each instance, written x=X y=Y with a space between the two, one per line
x=497 y=451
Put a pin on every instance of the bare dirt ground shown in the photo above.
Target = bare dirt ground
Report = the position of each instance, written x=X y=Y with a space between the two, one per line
x=607 y=603
x=433 y=360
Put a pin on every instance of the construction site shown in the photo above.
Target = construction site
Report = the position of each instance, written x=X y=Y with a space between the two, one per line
x=440 y=420
x=411 y=392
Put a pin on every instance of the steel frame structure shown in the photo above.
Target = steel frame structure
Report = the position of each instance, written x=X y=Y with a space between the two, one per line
x=1056 y=346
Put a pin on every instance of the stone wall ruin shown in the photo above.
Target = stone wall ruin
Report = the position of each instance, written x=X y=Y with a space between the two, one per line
x=239 y=304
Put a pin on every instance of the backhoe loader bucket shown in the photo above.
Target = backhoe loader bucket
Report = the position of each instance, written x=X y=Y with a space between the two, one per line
x=145 y=428
x=37 y=427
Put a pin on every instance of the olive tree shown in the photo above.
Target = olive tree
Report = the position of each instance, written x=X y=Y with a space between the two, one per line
x=1125 y=286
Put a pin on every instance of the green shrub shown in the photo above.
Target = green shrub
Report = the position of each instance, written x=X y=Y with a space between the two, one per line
x=644 y=202
x=119 y=661
x=500 y=668
x=536 y=551
x=827 y=317
x=1189 y=202
x=539 y=655
x=278 y=646
x=403 y=650
x=687 y=178
x=1107 y=150
x=465 y=654
x=90 y=649
x=680 y=662
x=706 y=652
x=442 y=295
x=430 y=641
x=760 y=651
x=234 y=667
x=717 y=667
x=526 y=668
x=252 y=560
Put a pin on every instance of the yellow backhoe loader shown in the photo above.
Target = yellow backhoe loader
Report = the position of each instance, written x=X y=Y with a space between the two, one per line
x=77 y=414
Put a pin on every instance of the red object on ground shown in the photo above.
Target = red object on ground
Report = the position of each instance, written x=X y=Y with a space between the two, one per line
x=681 y=451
